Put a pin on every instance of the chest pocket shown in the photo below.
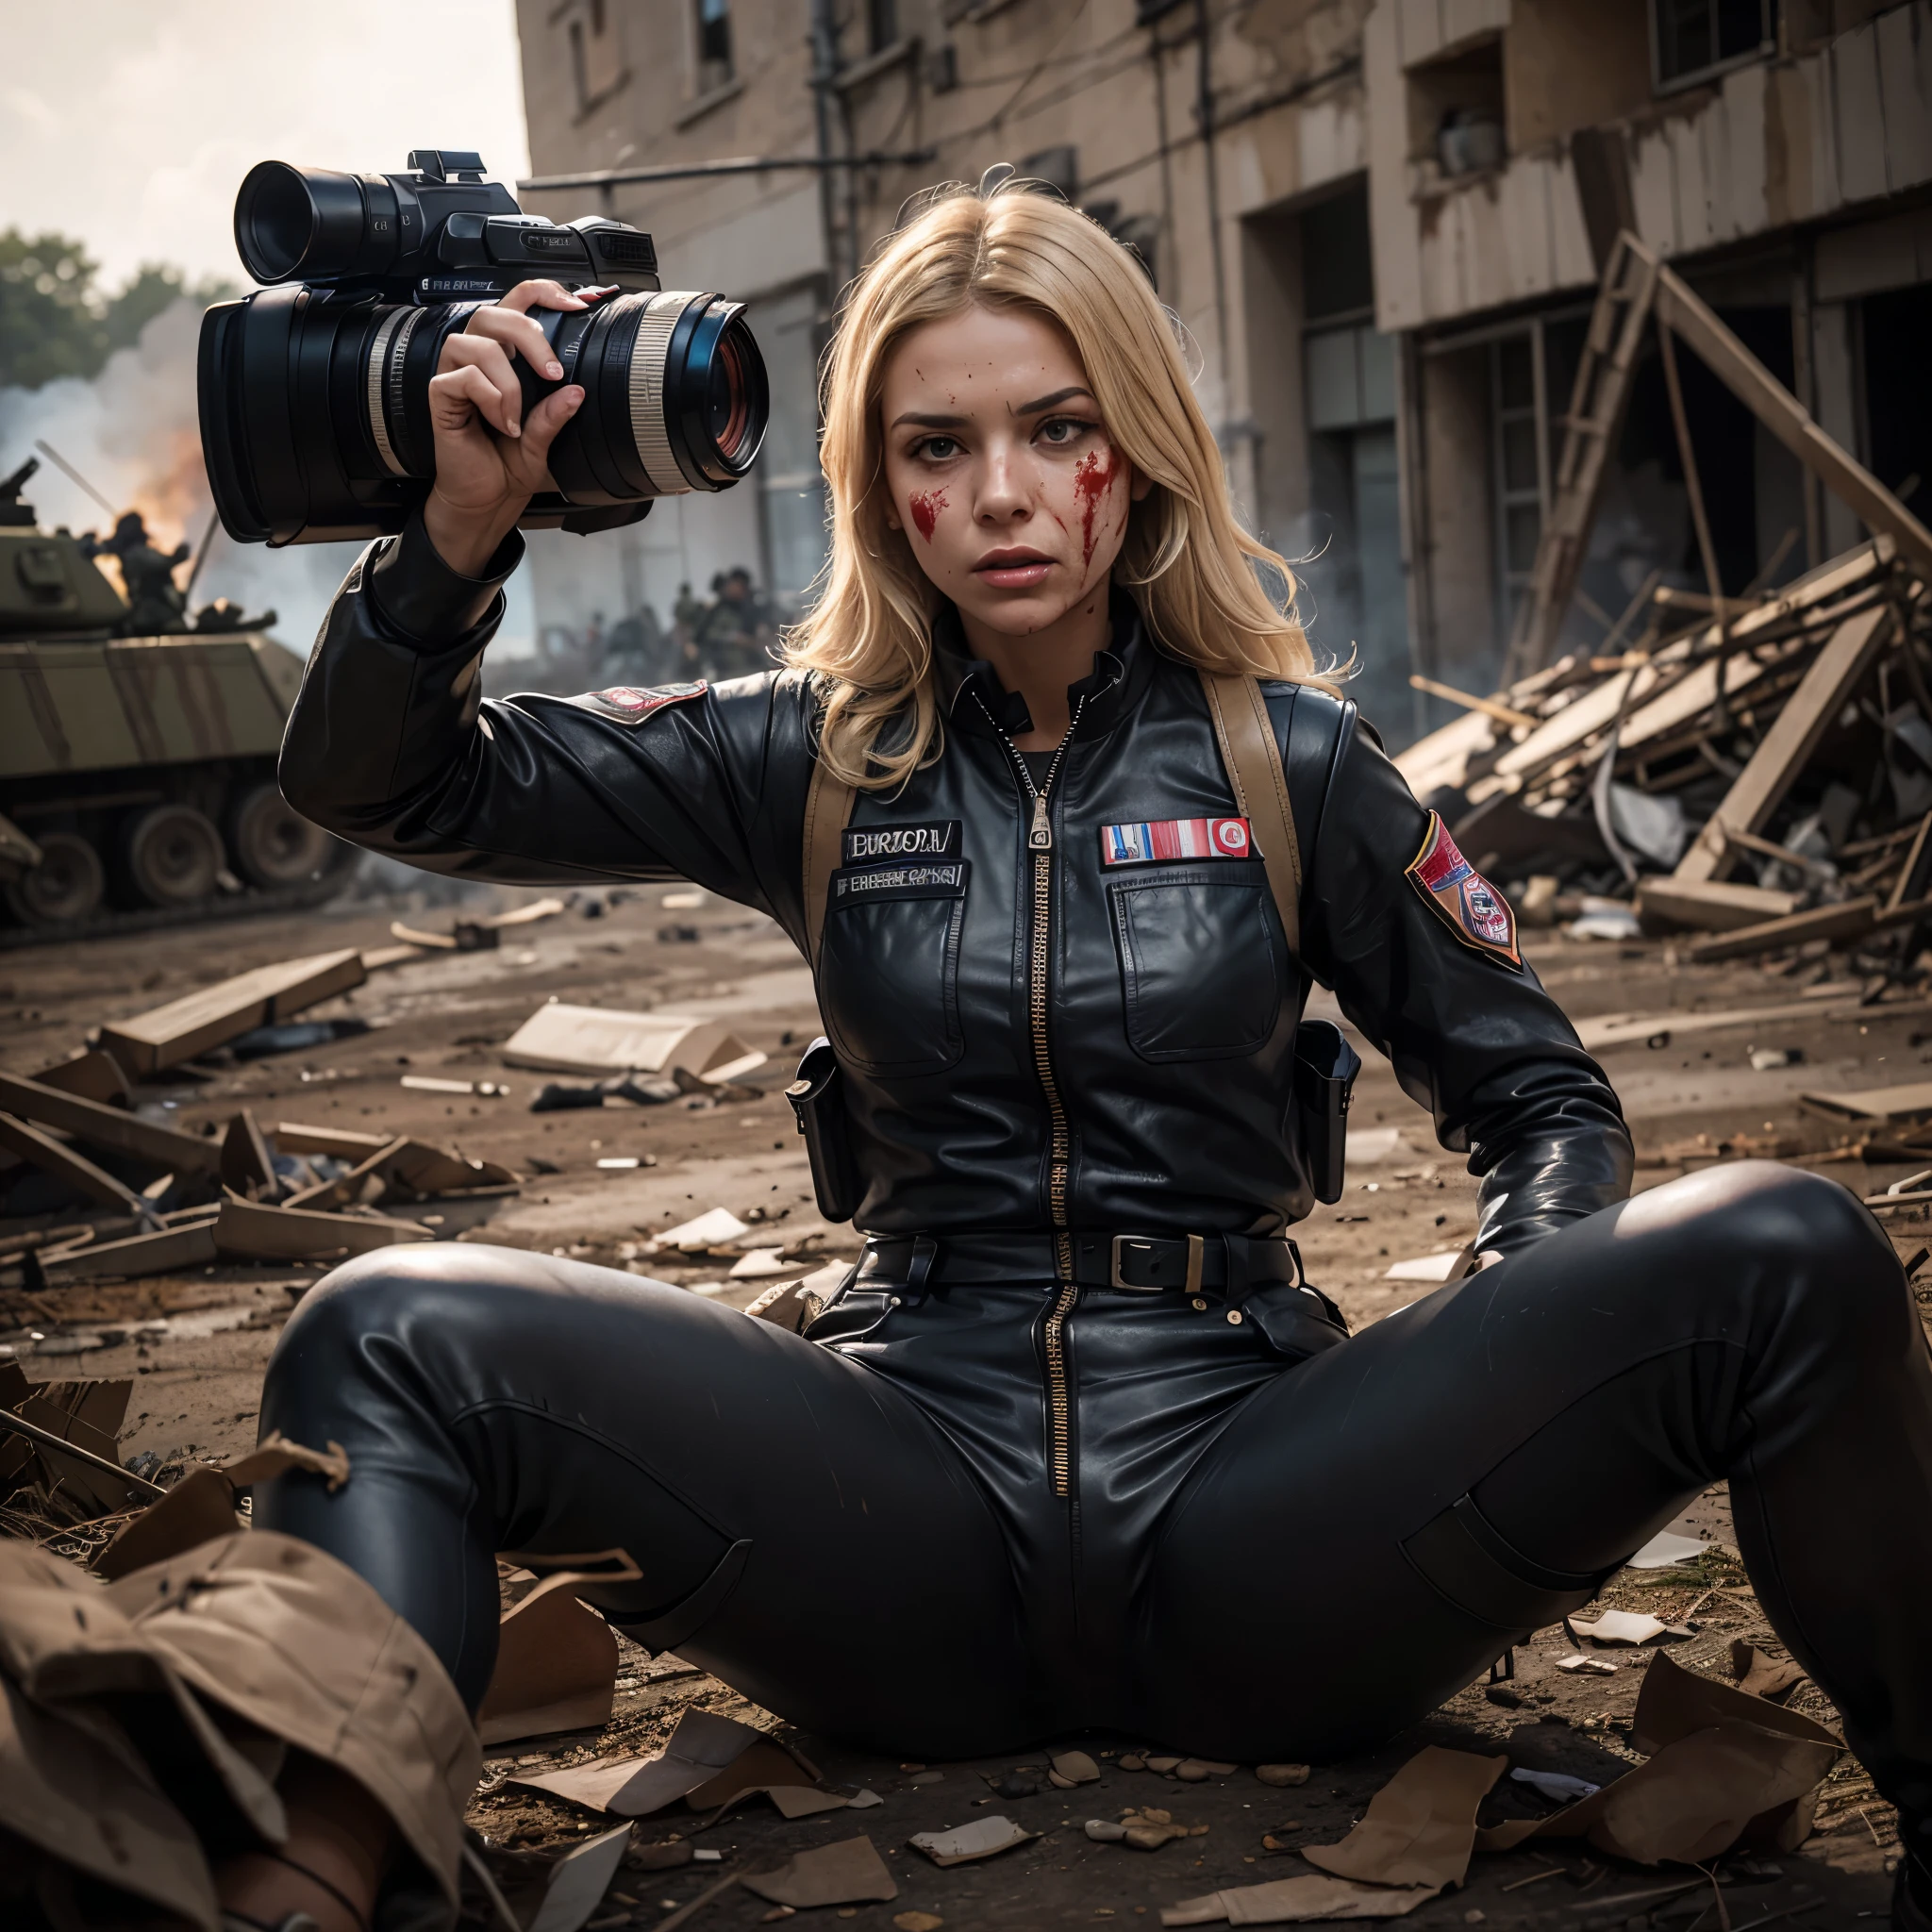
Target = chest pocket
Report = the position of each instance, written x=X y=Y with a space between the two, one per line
x=888 y=969
x=1201 y=961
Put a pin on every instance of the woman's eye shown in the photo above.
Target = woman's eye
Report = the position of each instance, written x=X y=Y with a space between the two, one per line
x=1063 y=429
x=938 y=448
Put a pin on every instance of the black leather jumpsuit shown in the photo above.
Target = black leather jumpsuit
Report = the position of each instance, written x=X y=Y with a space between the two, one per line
x=991 y=1497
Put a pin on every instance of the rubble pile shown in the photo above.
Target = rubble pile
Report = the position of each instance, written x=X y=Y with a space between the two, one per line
x=1760 y=777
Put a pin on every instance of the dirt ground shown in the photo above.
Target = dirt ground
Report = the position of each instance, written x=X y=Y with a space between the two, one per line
x=1691 y=1096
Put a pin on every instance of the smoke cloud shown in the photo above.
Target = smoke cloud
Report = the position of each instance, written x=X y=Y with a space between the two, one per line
x=134 y=434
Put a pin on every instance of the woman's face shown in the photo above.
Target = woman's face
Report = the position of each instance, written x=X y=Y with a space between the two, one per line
x=999 y=469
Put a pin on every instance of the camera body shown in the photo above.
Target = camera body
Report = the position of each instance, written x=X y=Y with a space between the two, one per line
x=440 y=232
x=314 y=391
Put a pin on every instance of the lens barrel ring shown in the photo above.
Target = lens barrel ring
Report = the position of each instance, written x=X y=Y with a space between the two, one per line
x=650 y=425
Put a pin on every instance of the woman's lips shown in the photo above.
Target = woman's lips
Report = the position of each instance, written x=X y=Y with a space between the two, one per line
x=1012 y=570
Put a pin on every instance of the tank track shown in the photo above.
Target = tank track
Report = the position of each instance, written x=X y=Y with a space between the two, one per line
x=243 y=905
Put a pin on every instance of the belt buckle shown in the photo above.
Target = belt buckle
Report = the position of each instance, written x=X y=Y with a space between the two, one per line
x=1124 y=1243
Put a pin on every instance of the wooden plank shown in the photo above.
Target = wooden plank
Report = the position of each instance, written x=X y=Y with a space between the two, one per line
x=293 y=1136
x=1781 y=412
x=1709 y=905
x=66 y=1165
x=257 y=1232
x=92 y=1075
x=1911 y=881
x=207 y=1018
x=169 y=1252
x=1846 y=922
x=1621 y=1029
x=1909 y=1102
x=246 y=1164
x=110 y=1126
x=1792 y=737
x=346 y=1188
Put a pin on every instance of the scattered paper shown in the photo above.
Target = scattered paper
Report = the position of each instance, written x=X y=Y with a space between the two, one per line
x=1071 y=1768
x=562 y=1039
x=1629 y=1627
x=1759 y=1675
x=979 y=1839
x=1581 y=1664
x=200 y=1507
x=1450 y=1264
x=711 y=1229
x=1105 y=1831
x=1420 y=1827
x=578 y=1881
x=1296 y=1901
x=1667 y=1549
x=758 y=1262
x=702 y=1746
x=556 y=1668
x=848 y=1872
x=864 y=1801
x=1556 y=1784
x=275 y=1454
x=612 y=1163
x=1726 y=1769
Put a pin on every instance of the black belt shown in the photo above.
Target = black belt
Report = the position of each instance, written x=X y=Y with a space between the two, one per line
x=1225 y=1266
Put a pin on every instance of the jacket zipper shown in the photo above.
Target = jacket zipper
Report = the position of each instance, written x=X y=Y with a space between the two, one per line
x=1060 y=1143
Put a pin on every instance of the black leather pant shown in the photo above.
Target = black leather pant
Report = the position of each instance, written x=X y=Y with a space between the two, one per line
x=1266 y=1552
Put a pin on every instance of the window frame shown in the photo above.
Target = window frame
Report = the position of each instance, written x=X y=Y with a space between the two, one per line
x=1701 y=77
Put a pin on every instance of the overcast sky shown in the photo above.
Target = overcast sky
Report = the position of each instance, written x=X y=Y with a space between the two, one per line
x=131 y=123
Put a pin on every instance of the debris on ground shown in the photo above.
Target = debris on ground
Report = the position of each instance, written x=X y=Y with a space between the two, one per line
x=982 y=1839
x=561 y=1038
x=1761 y=780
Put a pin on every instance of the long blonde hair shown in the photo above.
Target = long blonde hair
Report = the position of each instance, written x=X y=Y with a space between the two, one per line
x=1185 y=560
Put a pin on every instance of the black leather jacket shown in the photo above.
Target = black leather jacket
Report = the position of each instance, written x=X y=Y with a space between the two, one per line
x=1095 y=1048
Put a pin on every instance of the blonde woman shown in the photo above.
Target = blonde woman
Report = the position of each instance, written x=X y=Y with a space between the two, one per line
x=1075 y=1447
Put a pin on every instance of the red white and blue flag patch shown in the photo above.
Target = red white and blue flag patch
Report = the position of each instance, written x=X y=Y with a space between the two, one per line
x=1154 y=840
x=630 y=705
x=1476 y=913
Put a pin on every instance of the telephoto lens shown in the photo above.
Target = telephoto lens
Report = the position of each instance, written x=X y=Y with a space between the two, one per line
x=314 y=392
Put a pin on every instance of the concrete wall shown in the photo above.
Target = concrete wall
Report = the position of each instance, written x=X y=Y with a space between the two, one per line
x=1766 y=146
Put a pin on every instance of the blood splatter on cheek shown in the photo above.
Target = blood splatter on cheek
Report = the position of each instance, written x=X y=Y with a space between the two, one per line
x=1093 y=478
x=925 y=505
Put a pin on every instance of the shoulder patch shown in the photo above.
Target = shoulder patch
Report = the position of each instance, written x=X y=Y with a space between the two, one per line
x=1473 y=909
x=630 y=705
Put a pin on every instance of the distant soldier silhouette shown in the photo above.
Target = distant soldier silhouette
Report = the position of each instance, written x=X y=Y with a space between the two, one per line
x=155 y=602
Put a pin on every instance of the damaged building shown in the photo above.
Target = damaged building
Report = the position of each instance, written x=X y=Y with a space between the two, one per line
x=1382 y=227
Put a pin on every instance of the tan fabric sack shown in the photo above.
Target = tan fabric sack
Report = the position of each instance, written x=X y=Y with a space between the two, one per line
x=259 y=1643
x=295 y=1642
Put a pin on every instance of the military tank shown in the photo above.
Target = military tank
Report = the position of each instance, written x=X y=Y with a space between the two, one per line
x=138 y=745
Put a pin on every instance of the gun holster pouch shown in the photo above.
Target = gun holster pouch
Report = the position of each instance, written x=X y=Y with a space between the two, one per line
x=1325 y=1070
x=818 y=1102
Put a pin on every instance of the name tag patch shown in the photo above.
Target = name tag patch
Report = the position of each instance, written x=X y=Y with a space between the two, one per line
x=911 y=879
x=864 y=845
x=1475 y=912
x=631 y=705
x=1155 y=841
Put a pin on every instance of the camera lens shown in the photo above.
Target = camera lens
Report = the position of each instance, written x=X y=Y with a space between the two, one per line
x=298 y=221
x=315 y=402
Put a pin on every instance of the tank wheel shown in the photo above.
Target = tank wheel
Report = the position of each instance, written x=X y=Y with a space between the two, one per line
x=274 y=844
x=64 y=888
x=174 y=856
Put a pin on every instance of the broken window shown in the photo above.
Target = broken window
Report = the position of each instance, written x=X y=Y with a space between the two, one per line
x=715 y=67
x=596 y=63
x=1693 y=38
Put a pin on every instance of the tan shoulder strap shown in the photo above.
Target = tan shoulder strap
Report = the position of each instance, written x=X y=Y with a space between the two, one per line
x=1253 y=760
x=828 y=806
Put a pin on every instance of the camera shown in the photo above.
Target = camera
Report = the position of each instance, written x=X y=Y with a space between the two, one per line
x=314 y=391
